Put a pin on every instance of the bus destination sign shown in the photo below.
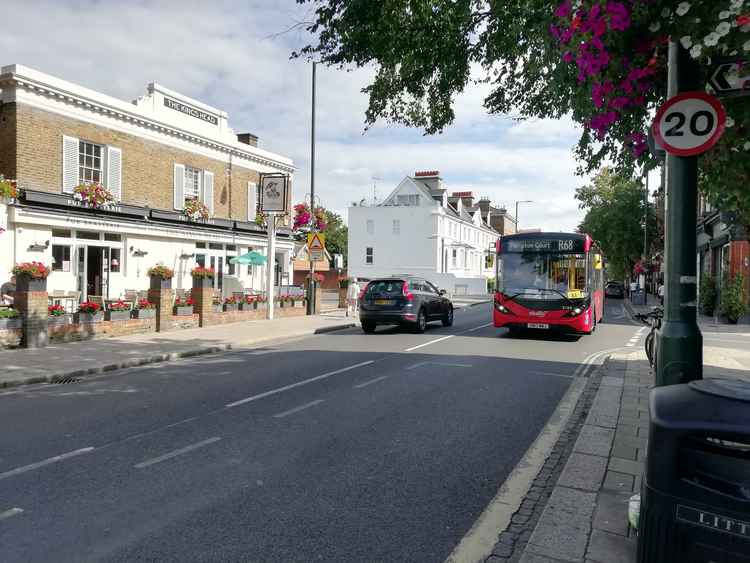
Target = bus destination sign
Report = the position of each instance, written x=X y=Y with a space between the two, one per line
x=574 y=245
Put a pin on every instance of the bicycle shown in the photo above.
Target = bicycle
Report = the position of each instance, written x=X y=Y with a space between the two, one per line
x=653 y=318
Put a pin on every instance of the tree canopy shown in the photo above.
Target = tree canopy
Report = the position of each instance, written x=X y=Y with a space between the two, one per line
x=614 y=205
x=601 y=61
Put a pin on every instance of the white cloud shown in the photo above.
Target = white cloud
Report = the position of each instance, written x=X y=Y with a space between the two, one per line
x=229 y=55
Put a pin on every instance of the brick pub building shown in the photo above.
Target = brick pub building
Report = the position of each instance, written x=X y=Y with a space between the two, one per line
x=153 y=155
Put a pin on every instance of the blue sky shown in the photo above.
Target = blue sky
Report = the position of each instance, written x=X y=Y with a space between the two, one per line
x=233 y=55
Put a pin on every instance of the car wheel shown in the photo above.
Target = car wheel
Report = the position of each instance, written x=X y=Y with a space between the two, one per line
x=368 y=327
x=421 y=325
x=448 y=317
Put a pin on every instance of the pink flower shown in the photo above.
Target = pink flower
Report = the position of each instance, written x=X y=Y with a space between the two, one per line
x=568 y=57
x=619 y=17
x=563 y=10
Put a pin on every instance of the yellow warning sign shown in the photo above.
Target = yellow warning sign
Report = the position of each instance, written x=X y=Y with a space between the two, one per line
x=316 y=246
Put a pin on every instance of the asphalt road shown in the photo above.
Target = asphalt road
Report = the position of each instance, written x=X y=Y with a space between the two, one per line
x=338 y=447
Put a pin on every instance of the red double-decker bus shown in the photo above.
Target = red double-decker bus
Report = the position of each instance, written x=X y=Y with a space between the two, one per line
x=550 y=281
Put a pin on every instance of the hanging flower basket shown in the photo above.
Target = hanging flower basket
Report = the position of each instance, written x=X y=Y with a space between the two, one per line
x=195 y=210
x=203 y=278
x=8 y=189
x=93 y=195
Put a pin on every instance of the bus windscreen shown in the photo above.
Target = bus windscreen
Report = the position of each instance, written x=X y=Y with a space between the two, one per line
x=533 y=272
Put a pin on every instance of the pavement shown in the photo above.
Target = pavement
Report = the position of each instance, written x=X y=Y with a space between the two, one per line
x=583 y=513
x=333 y=447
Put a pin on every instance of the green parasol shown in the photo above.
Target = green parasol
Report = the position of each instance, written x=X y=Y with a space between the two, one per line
x=253 y=258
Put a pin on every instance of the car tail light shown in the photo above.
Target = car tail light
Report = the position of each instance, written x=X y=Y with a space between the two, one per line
x=407 y=294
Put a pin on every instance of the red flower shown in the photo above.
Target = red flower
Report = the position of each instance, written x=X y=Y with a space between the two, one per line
x=743 y=20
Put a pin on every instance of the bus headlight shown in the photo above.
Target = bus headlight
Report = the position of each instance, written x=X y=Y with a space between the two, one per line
x=502 y=308
x=575 y=312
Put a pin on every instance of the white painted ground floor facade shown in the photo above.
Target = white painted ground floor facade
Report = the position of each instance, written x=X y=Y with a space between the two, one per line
x=99 y=254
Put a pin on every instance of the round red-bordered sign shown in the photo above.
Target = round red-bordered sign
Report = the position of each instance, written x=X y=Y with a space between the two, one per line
x=690 y=123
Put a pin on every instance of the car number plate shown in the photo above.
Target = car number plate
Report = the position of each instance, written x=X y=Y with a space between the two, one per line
x=538 y=325
x=383 y=302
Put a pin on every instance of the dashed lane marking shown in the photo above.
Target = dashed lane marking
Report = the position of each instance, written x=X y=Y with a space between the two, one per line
x=48 y=461
x=298 y=409
x=298 y=384
x=175 y=453
x=430 y=342
x=9 y=513
x=370 y=382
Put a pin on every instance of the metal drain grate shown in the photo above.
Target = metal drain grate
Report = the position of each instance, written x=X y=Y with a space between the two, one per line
x=65 y=380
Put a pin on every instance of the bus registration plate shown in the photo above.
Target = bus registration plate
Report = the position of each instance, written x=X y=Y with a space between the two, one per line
x=537 y=325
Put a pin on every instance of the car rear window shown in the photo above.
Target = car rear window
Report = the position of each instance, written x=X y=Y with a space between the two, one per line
x=385 y=287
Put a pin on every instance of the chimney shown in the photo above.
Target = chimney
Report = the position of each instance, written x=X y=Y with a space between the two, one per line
x=248 y=139
x=484 y=205
x=431 y=178
x=467 y=198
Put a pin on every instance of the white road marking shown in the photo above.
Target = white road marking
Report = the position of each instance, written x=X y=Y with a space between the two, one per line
x=430 y=342
x=38 y=464
x=175 y=453
x=366 y=383
x=11 y=512
x=299 y=408
x=298 y=384
x=420 y=364
x=476 y=328
x=553 y=374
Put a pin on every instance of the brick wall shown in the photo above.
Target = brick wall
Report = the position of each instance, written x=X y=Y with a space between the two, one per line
x=71 y=332
x=147 y=166
x=7 y=134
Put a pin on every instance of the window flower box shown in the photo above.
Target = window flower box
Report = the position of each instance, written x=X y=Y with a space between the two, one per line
x=10 y=319
x=89 y=318
x=218 y=308
x=8 y=190
x=58 y=320
x=144 y=313
x=115 y=315
x=183 y=310
x=248 y=304
x=93 y=195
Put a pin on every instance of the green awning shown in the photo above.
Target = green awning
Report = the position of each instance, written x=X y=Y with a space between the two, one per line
x=253 y=258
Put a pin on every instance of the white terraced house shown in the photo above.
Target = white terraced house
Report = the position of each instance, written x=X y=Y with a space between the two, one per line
x=420 y=229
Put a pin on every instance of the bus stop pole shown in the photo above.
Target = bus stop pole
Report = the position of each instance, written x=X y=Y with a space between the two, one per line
x=679 y=343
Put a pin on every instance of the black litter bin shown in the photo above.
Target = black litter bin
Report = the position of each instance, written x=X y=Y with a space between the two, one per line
x=695 y=497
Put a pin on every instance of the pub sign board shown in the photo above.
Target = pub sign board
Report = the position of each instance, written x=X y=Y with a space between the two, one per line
x=191 y=111
x=274 y=193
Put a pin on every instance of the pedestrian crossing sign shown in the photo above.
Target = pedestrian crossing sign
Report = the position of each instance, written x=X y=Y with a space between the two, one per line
x=316 y=246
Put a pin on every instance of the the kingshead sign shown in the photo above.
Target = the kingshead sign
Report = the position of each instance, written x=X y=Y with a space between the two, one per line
x=191 y=111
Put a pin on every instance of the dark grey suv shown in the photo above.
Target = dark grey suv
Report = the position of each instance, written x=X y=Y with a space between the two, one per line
x=404 y=301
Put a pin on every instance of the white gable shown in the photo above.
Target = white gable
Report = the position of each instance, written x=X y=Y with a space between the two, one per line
x=409 y=187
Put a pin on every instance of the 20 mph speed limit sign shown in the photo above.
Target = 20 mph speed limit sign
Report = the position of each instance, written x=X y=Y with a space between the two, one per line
x=689 y=123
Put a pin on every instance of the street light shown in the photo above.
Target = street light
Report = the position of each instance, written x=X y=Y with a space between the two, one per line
x=521 y=201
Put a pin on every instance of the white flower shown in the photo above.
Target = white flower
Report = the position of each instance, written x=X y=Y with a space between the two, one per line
x=695 y=52
x=746 y=146
x=711 y=39
x=682 y=8
x=724 y=15
x=723 y=28
x=736 y=4
x=666 y=12
x=746 y=46
x=730 y=122
x=745 y=28
x=734 y=53
x=686 y=41
x=654 y=27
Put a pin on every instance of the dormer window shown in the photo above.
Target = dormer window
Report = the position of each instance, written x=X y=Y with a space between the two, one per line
x=411 y=199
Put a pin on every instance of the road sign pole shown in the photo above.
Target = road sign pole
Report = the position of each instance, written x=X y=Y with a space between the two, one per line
x=679 y=342
x=271 y=264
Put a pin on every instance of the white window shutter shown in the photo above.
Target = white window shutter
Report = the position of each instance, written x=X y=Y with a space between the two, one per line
x=208 y=191
x=114 y=172
x=179 y=186
x=69 y=164
x=252 y=191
